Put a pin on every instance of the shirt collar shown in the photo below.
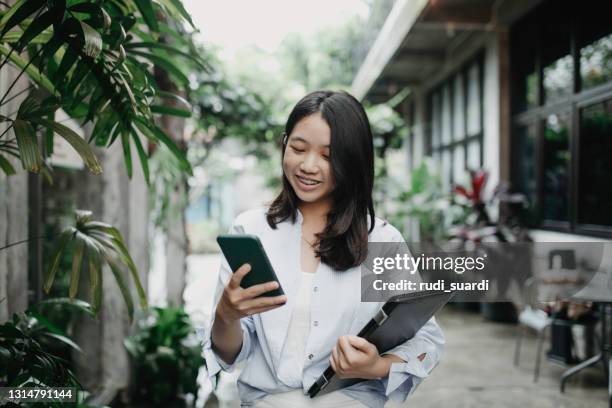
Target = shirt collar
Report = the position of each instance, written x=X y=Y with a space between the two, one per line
x=300 y=218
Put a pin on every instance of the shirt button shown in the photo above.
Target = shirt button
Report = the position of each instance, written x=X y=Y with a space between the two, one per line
x=316 y=323
x=310 y=356
x=316 y=289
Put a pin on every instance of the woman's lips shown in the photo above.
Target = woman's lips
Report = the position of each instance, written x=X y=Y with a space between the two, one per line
x=306 y=187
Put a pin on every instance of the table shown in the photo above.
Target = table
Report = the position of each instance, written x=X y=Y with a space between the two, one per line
x=598 y=290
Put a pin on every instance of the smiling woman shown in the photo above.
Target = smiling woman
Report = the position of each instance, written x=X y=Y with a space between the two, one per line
x=316 y=234
x=329 y=142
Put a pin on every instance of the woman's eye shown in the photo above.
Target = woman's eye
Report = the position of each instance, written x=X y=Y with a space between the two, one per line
x=326 y=157
x=295 y=149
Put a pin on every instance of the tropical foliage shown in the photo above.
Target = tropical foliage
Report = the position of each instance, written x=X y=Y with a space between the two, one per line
x=93 y=60
x=101 y=63
x=166 y=357
x=95 y=244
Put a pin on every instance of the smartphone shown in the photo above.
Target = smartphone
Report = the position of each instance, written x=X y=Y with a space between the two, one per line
x=243 y=248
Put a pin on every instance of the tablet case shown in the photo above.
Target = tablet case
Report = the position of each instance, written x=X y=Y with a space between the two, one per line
x=398 y=320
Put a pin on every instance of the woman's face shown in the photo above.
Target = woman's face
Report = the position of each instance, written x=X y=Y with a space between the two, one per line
x=306 y=162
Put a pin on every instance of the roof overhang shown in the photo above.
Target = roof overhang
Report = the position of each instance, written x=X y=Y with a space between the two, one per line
x=417 y=37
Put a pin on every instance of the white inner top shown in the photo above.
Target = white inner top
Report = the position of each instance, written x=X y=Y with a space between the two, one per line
x=297 y=335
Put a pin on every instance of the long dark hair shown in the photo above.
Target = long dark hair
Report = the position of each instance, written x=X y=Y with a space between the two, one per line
x=343 y=243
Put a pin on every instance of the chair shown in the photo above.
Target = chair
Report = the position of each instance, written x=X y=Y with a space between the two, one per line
x=531 y=317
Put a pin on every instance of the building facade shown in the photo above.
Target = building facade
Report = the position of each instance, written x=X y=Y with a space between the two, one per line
x=522 y=89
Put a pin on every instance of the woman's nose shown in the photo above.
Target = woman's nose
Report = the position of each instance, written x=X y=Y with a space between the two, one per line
x=310 y=163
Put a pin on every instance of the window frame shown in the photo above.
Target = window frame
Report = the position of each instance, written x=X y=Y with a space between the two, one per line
x=573 y=105
x=463 y=72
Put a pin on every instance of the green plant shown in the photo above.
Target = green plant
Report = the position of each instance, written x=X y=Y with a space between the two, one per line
x=166 y=356
x=92 y=60
x=95 y=244
x=427 y=201
x=24 y=358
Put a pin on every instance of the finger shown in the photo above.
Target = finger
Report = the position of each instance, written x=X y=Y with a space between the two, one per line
x=343 y=353
x=259 y=289
x=333 y=363
x=263 y=302
x=335 y=359
x=238 y=275
x=263 y=309
x=345 y=347
x=361 y=344
x=421 y=357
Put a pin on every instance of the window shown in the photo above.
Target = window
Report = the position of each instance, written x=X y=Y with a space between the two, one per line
x=455 y=108
x=561 y=67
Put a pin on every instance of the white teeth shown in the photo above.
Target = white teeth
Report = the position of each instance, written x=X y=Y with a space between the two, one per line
x=309 y=182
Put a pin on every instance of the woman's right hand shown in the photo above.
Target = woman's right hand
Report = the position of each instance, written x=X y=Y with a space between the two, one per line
x=237 y=302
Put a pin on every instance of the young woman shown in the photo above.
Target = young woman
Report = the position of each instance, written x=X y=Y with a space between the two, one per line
x=316 y=234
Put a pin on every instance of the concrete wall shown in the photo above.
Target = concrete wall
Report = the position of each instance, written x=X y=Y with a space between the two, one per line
x=104 y=365
x=13 y=216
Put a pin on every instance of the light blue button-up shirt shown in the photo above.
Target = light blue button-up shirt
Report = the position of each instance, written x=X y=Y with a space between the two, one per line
x=336 y=310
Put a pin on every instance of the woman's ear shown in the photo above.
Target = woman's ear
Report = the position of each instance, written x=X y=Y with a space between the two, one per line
x=285 y=138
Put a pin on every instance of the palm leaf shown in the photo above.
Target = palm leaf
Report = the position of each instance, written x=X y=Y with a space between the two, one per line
x=76 y=141
x=168 y=48
x=35 y=28
x=32 y=71
x=148 y=13
x=95 y=277
x=176 y=8
x=144 y=159
x=127 y=152
x=28 y=145
x=154 y=133
x=77 y=261
x=65 y=237
x=77 y=304
x=19 y=12
x=8 y=168
x=125 y=291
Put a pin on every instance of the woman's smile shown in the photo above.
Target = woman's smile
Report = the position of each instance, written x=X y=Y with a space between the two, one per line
x=307 y=183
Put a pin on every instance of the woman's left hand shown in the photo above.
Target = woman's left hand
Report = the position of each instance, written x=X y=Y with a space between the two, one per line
x=355 y=357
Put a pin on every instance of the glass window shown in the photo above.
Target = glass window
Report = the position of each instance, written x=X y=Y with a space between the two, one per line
x=596 y=62
x=595 y=165
x=559 y=43
x=446 y=168
x=523 y=43
x=558 y=79
x=526 y=162
x=473 y=100
x=556 y=162
x=458 y=109
x=453 y=147
x=557 y=62
x=473 y=157
x=458 y=163
x=446 y=115
x=435 y=120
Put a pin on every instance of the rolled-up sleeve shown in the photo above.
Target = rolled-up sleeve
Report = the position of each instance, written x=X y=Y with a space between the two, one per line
x=405 y=377
x=214 y=363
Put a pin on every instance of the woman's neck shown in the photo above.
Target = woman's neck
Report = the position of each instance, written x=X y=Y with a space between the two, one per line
x=316 y=212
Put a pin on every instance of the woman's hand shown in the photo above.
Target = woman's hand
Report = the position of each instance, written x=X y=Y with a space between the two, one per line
x=355 y=357
x=237 y=302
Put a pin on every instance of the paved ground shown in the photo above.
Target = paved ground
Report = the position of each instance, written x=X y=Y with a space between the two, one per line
x=476 y=369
